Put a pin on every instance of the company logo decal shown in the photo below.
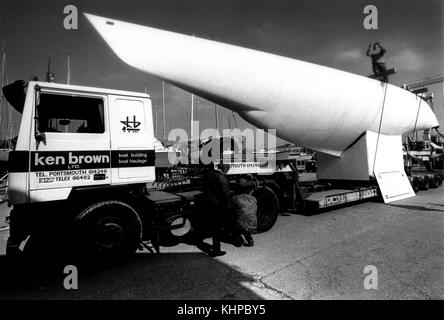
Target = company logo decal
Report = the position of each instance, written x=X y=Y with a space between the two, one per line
x=35 y=161
x=131 y=126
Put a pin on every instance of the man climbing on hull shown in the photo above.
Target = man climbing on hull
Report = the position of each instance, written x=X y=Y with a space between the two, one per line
x=376 y=54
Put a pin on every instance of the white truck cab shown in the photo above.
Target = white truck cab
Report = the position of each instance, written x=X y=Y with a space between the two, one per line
x=76 y=136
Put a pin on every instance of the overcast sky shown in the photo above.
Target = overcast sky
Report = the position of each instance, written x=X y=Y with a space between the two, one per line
x=329 y=33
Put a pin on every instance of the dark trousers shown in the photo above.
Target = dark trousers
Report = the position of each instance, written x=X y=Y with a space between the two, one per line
x=213 y=229
x=215 y=247
x=216 y=236
x=378 y=68
x=247 y=235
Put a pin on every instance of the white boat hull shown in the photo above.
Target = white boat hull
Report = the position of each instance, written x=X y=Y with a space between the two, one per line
x=310 y=105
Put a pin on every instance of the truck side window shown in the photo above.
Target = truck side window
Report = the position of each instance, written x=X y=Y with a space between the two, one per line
x=70 y=114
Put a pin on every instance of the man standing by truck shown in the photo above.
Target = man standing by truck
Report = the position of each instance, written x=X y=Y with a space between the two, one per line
x=217 y=207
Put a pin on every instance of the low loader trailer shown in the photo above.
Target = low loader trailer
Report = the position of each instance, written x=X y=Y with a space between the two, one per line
x=84 y=174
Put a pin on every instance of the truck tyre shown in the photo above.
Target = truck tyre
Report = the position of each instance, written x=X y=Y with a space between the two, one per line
x=415 y=184
x=267 y=208
x=107 y=230
x=425 y=183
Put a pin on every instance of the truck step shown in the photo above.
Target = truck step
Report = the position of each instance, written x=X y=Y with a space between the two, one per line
x=148 y=245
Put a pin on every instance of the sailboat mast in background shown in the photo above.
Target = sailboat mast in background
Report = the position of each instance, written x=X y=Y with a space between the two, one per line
x=154 y=113
x=4 y=74
x=50 y=76
x=192 y=117
x=68 y=69
x=216 y=117
x=163 y=111
x=4 y=111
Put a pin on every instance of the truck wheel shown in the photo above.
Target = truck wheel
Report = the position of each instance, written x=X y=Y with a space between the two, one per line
x=415 y=184
x=108 y=230
x=425 y=183
x=267 y=208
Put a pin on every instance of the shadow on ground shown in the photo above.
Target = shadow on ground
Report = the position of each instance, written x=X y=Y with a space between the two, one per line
x=146 y=276
x=416 y=208
x=437 y=204
x=314 y=211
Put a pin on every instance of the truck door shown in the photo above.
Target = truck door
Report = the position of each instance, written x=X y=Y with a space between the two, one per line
x=132 y=139
x=70 y=145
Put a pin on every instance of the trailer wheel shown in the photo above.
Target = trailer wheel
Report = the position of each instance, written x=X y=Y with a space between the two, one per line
x=425 y=183
x=436 y=182
x=108 y=230
x=415 y=184
x=267 y=208
x=431 y=183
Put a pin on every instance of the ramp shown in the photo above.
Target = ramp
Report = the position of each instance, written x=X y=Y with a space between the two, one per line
x=385 y=155
x=394 y=185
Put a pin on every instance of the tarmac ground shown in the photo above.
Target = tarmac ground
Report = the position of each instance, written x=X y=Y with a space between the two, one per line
x=323 y=256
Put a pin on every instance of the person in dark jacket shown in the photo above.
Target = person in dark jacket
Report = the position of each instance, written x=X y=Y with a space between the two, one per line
x=217 y=207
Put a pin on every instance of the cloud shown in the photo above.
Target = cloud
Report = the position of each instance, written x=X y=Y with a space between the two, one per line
x=349 y=54
x=274 y=34
x=352 y=59
x=407 y=59
x=264 y=31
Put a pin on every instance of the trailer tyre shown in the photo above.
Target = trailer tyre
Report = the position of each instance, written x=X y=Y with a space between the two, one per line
x=267 y=208
x=425 y=183
x=436 y=182
x=415 y=184
x=108 y=230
